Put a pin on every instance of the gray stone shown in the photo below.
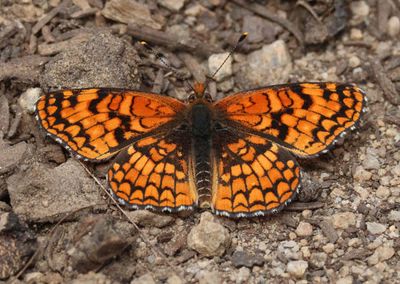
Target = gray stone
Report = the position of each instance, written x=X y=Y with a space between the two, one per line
x=95 y=240
x=288 y=249
x=215 y=61
x=375 y=228
x=17 y=244
x=270 y=65
x=130 y=11
x=209 y=238
x=318 y=259
x=343 y=220
x=297 y=268
x=173 y=5
x=371 y=162
x=44 y=194
x=242 y=258
x=304 y=229
x=4 y=114
x=12 y=156
x=147 y=218
x=28 y=99
x=242 y=275
x=394 y=215
x=259 y=29
x=104 y=60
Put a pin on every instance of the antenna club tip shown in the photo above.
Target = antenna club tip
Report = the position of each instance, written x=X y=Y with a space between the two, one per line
x=143 y=42
x=243 y=36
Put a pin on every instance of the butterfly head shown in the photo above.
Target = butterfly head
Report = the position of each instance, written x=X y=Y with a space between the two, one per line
x=199 y=93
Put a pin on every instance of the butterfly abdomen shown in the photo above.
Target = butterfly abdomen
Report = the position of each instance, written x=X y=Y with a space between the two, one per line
x=201 y=141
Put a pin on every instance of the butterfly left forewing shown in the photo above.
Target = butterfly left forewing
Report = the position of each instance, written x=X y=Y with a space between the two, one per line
x=305 y=118
x=97 y=123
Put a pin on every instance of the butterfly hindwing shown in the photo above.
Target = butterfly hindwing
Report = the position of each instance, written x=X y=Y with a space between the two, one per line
x=97 y=123
x=153 y=173
x=305 y=118
x=255 y=175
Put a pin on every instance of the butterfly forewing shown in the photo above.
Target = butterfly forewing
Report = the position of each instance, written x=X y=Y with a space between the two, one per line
x=97 y=123
x=305 y=118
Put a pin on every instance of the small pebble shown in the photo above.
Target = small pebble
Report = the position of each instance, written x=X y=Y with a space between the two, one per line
x=375 y=228
x=243 y=275
x=382 y=192
x=318 y=259
x=343 y=220
x=173 y=5
x=329 y=248
x=359 y=9
x=361 y=174
x=215 y=61
x=382 y=253
x=354 y=61
x=28 y=99
x=393 y=26
x=394 y=215
x=209 y=238
x=356 y=34
x=304 y=229
x=297 y=268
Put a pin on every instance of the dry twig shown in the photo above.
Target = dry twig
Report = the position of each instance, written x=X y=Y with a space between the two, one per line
x=389 y=89
x=39 y=25
x=309 y=9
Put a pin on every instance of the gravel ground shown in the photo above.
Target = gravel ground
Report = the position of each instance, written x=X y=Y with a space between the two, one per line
x=58 y=226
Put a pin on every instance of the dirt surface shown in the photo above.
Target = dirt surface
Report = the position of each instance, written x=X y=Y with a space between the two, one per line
x=58 y=226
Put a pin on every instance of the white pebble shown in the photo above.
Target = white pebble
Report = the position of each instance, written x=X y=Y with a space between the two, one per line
x=393 y=26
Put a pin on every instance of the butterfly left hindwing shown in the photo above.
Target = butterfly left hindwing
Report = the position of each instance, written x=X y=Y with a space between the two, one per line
x=153 y=173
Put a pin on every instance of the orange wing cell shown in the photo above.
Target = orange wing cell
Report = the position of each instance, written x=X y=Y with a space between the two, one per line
x=97 y=123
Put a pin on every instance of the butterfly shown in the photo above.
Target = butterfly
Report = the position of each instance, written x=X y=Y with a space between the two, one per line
x=235 y=156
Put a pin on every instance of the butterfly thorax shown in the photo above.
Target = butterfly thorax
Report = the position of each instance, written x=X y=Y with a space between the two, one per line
x=201 y=131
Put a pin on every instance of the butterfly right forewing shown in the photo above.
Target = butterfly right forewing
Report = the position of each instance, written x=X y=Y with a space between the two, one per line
x=305 y=118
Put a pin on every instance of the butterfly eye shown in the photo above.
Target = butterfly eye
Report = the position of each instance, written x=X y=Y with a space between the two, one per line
x=219 y=126
x=182 y=127
x=208 y=97
x=191 y=98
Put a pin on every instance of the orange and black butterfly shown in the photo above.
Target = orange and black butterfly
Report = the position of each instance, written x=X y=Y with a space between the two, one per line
x=236 y=155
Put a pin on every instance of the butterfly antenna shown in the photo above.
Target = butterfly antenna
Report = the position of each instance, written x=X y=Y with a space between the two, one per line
x=160 y=57
x=242 y=38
